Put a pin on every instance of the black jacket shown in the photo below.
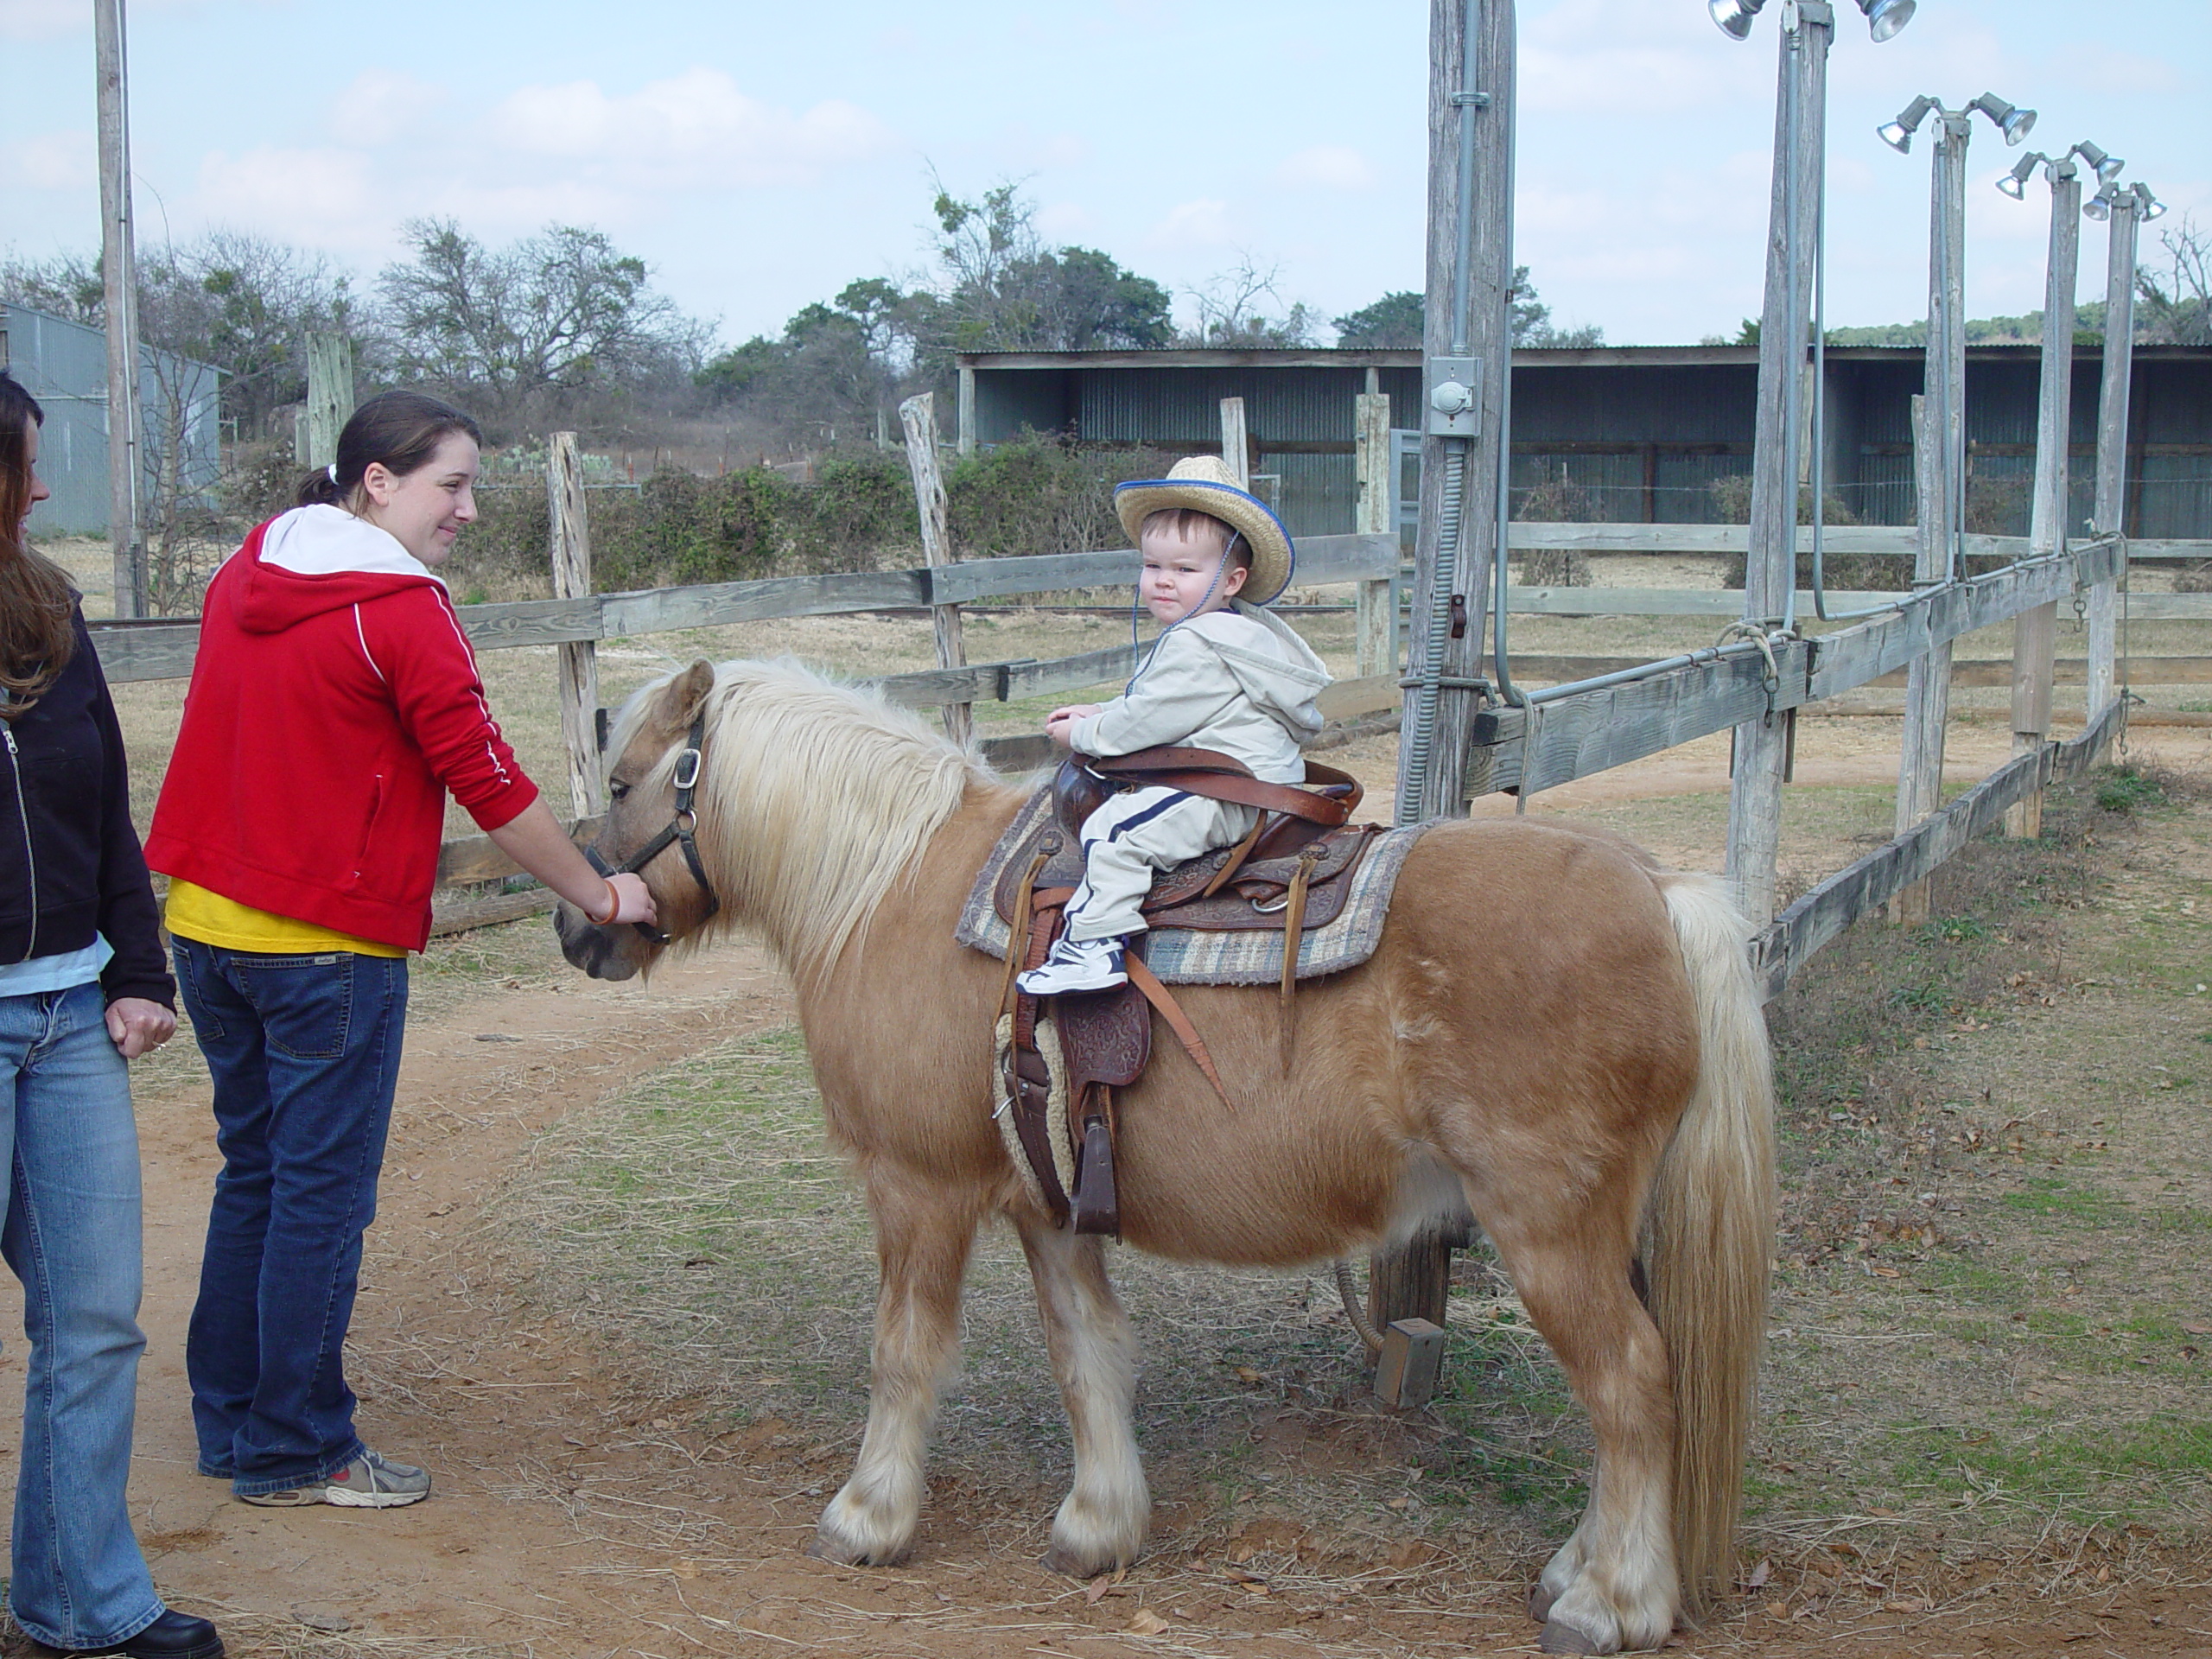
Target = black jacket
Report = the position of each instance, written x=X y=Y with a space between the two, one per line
x=70 y=864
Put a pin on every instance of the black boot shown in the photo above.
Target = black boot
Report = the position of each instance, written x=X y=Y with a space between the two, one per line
x=173 y=1636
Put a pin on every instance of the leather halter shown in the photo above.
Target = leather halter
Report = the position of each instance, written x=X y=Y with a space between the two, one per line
x=681 y=828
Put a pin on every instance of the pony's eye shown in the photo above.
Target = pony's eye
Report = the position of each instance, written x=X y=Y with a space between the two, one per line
x=616 y=789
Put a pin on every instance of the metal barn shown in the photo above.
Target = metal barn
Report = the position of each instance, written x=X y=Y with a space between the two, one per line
x=1635 y=434
x=64 y=365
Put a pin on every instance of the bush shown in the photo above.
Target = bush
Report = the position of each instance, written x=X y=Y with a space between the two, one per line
x=1875 y=572
x=1035 y=495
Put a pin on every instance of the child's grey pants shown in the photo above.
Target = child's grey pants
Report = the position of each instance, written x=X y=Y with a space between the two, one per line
x=1135 y=833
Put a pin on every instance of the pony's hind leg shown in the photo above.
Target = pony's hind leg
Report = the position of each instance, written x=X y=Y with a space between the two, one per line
x=1102 y=1522
x=1613 y=1584
x=924 y=1231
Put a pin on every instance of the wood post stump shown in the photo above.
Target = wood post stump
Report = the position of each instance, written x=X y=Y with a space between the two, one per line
x=917 y=420
x=569 y=536
x=1373 y=618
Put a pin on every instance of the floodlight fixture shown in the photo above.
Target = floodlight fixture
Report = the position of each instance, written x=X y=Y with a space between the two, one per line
x=2147 y=206
x=2012 y=121
x=2107 y=166
x=1898 y=134
x=1734 y=17
x=2015 y=183
x=2100 y=205
x=1886 y=17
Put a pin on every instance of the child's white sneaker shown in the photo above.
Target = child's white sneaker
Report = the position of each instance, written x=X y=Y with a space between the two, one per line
x=1077 y=965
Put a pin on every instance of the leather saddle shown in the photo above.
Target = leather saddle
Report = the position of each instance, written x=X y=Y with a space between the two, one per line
x=1287 y=874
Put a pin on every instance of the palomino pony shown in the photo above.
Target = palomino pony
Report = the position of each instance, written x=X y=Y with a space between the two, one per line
x=1551 y=1028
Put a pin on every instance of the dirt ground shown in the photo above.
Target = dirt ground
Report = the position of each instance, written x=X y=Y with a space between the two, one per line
x=575 y=1517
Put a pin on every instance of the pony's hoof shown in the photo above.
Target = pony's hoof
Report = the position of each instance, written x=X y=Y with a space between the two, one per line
x=824 y=1547
x=1540 y=1602
x=1078 y=1565
x=1560 y=1636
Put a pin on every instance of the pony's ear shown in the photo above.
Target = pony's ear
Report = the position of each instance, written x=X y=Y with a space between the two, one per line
x=683 y=697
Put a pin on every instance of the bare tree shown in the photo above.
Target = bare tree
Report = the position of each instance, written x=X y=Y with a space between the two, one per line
x=1231 y=312
x=2175 y=306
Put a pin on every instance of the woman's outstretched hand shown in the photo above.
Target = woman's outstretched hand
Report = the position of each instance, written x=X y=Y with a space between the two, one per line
x=633 y=901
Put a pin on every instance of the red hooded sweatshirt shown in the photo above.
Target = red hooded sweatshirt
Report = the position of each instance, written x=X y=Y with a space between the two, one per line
x=333 y=703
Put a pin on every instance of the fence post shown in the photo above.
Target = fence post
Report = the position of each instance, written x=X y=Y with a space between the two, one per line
x=330 y=396
x=2034 y=633
x=1374 y=623
x=2110 y=515
x=918 y=419
x=1927 y=682
x=1234 y=443
x=568 y=533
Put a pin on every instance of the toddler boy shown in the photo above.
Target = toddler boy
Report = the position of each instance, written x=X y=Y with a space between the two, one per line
x=1226 y=675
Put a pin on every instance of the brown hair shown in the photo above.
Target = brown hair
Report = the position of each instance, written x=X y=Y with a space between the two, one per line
x=37 y=605
x=401 y=429
x=1186 y=521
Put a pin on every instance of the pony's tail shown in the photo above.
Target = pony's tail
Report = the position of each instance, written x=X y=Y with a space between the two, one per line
x=1709 y=1236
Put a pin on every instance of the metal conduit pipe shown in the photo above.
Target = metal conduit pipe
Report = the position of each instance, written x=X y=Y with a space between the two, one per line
x=1500 y=660
x=1438 y=631
x=1643 y=671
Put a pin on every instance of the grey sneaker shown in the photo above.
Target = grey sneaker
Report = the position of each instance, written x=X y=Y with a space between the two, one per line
x=367 y=1483
x=1077 y=965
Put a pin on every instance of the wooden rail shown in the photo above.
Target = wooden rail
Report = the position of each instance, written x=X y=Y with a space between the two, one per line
x=163 y=650
x=1815 y=919
x=1544 y=744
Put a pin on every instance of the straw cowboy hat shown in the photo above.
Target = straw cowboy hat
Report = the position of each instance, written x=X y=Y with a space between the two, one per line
x=1205 y=483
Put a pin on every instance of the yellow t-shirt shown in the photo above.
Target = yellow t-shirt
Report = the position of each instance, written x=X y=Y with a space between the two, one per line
x=209 y=918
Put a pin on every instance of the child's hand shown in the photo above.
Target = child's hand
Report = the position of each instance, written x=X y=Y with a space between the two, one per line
x=1060 y=723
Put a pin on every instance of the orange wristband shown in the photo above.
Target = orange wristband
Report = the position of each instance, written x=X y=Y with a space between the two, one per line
x=614 y=907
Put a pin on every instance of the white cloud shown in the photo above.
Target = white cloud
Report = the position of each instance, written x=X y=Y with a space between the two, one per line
x=382 y=105
x=695 y=128
x=326 y=197
x=40 y=20
x=1201 y=224
x=1328 y=166
x=53 y=160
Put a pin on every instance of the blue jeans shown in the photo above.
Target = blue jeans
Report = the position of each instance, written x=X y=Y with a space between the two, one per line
x=305 y=1054
x=71 y=1147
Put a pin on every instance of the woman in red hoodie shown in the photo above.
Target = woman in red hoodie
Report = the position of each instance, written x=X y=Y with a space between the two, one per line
x=334 y=703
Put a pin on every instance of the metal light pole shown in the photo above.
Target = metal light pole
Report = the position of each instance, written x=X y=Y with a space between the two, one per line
x=1792 y=258
x=2035 y=632
x=119 y=294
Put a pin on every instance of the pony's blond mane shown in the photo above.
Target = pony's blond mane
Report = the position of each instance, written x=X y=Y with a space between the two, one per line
x=817 y=798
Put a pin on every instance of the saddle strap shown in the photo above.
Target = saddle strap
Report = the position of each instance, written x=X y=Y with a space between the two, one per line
x=1294 y=937
x=1177 y=1021
x=1224 y=777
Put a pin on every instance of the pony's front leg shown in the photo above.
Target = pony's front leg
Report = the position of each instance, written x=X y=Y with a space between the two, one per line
x=1102 y=1522
x=923 y=1230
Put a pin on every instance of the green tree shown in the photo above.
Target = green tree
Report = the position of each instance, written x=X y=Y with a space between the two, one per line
x=1394 y=321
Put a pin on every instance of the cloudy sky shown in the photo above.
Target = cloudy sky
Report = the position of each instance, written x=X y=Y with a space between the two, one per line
x=761 y=157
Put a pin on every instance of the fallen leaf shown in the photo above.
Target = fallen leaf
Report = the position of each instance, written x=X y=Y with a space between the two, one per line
x=1147 y=1622
x=1759 y=1575
x=1245 y=1374
x=686 y=1569
x=1097 y=1587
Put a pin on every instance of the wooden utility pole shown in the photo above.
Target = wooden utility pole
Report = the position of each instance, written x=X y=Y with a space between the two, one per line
x=1939 y=440
x=1785 y=323
x=1374 y=620
x=330 y=401
x=119 y=298
x=2034 y=633
x=2111 y=513
x=1236 y=442
x=918 y=419
x=570 y=537
x=1466 y=340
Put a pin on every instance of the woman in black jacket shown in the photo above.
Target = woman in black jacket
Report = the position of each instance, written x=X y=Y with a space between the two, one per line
x=83 y=990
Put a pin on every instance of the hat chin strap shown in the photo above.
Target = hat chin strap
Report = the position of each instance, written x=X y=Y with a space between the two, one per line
x=1136 y=604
